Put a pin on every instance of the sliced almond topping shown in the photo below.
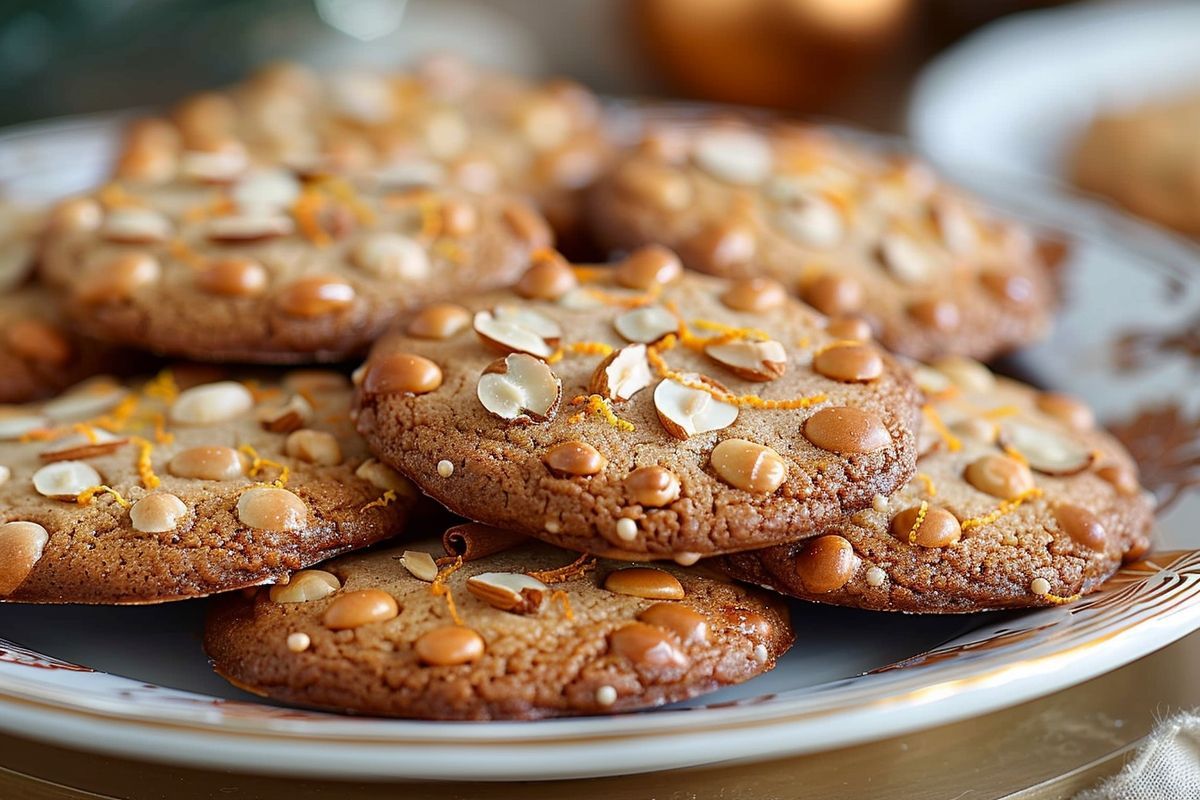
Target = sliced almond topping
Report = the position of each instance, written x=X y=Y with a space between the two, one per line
x=253 y=227
x=88 y=399
x=511 y=329
x=392 y=256
x=1046 y=451
x=812 y=222
x=520 y=388
x=80 y=446
x=646 y=324
x=292 y=415
x=907 y=261
x=136 y=226
x=14 y=424
x=65 y=480
x=420 y=564
x=623 y=374
x=734 y=156
x=753 y=361
x=509 y=591
x=686 y=412
x=266 y=190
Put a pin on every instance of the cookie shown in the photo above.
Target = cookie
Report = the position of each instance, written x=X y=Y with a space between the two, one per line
x=167 y=490
x=639 y=412
x=852 y=231
x=525 y=633
x=271 y=268
x=1145 y=159
x=1019 y=500
x=443 y=123
x=39 y=355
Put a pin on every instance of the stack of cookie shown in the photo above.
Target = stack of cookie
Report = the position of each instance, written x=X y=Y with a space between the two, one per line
x=740 y=444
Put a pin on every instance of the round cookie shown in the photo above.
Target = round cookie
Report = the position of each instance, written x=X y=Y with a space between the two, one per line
x=443 y=123
x=38 y=354
x=853 y=232
x=1146 y=159
x=639 y=412
x=168 y=490
x=270 y=268
x=1019 y=500
x=375 y=633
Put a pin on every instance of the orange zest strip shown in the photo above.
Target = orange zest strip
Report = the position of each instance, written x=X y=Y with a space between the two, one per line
x=1000 y=412
x=580 y=566
x=653 y=354
x=451 y=251
x=439 y=588
x=384 y=500
x=587 y=273
x=1059 y=600
x=345 y=192
x=431 y=220
x=935 y=421
x=305 y=210
x=162 y=387
x=623 y=301
x=580 y=348
x=1014 y=454
x=930 y=486
x=1006 y=507
x=145 y=467
x=88 y=431
x=730 y=330
x=42 y=434
x=560 y=596
x=113 y=195
x=161 y=434
x=179 y=250
x=85 y=497
x=597 y=405
x=258 y=464
x=920 y=520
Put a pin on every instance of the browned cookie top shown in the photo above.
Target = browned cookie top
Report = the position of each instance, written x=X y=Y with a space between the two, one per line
x=38 y=354
x=851 y=231
x=537 y=636
x=270 y=268
x=1019 y=500
x=639 y=411
x=166 y=490
x=1147 y=160
x=443 y=123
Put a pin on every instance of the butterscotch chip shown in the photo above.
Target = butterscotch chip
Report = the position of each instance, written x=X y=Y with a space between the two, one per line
x=853 y=328
x=547 y=279
x=850 y=363
x=439 y=321
x=673 y=416
x=509 y=647
x=977 y=528
x=645 y=582
x=852 y=229
x=38 y=341
x=1067 y=409
x=648 y=267
x=21 y=547
x=148 y=493
x=305 y=586
x=754 y=294
x=261 y=267
x=403 y=373
x=826 y=564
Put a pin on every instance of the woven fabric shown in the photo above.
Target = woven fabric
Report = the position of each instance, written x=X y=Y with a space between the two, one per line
x=1167 y=767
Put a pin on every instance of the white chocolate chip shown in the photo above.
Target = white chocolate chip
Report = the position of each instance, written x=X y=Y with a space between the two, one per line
x=65 y=480
x=581 y=298
x=218 y=166
x=1040 y=587
x=552 y=526
x=957 y=228
x=298 y=642
x=627 y=529
x=751 y=360
x=420 y=565
x=159 y=512
x=314 y=447
x=509 y=591
x=623 y=374
x=879 y=503
x=5 y=474
x=735 y=156
x=266 y=191
x=392 y=256
x=646 y=324
x=685 y=411
x=520 y=387
x=812 y=222
x=445 y=468
x=760 y=653
x=606 y=696
x=211 y=403
x=876 y=577
x=381 y=476
x=905 y=259
x=686 y=559
x=251 y=227
x=136 y=226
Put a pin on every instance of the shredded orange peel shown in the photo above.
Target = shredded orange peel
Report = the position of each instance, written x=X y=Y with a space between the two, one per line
x=580 y=566
x=920 y=520
x=85 y=497
x=935 y=421
x=439 y=588
x=654 y=355
x=258 y=464
x=599 y=406
x=384 y=500
x=1007 y=507
x=145 y=467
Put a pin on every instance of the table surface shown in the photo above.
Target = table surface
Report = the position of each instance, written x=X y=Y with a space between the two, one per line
x=1048 y=748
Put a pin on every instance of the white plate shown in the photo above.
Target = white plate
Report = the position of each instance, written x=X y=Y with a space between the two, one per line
x=1013 y=96
x=134 y=681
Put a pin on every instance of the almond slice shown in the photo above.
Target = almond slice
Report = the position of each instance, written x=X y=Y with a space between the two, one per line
x=1046 y=451
x=80 y=446
x=520 y=388
x=751 y=360
x=511 y=329
x=509 y=591
x=906 y=260
x=646 y=324
x=685 y=411
x=253 y=227
x=420 y=564
x=623 y=374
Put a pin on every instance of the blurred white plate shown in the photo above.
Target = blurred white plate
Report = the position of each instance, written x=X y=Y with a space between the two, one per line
x=1014 y=95
x=135 y=682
